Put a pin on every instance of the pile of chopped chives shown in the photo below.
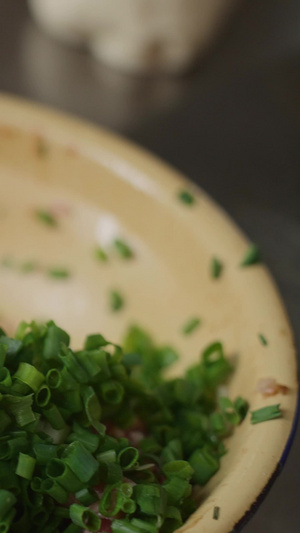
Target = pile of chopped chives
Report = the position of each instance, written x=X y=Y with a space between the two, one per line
x=68 y=459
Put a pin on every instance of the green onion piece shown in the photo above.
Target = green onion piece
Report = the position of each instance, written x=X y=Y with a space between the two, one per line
x=123 y=526
x=39 y=516
x=43 y=396
x=109 y=456
x=152 y=499
x=218 y=424
x=128 y=458
x=7 y=521
x=28 y=266
x=80 y=461
x=85 y=518
x=241 y=406
x=29 y=375
x=53 y=489
x=12 y=346
x=54 y=378
x=71 y=402
x=204 y=465
x=123 y=249
x=44 y=452
x=36 y=483
x=7 y=501
x=25 y=466
x=10 y=448
x=89 y=440
x=178 y=469
x=142 y=526
x=52 y=341
x=54 y=416
x=186 y=197
x=263 y=339
x=228 y=409
x=46 y=217
x=128 y=506
x=116 y=300
x=172 y=521
x=86 y=496
x=111 y=501
x=112 y=392
x=57 y=470
x=191 y=325
x=216 y=513
x=89 y=363
x=110 y=473
x=266 y=413
x=5 y=421
x=5 y=378
x=251 y=257
x=100 y=254
x=59 y=273
x=176 y=490
x=68 y=359
x=91 y=404
x=7 y=262
x=217 y=368
x=93 y=342
x=216 y=268
x=20 y=408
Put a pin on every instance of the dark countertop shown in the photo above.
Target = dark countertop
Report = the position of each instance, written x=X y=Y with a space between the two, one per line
x=233 y=126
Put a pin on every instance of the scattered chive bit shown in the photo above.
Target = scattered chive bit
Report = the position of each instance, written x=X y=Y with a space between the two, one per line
x=116 y=300
x=216 y=268
x=263 y=339
x=28 y=266
x=216 y=513
x=100 y=254
x=46 y=217
x=58 y=273
x=42 y=148
x=191 y=325
x=251 y=257
x=186 y=197
x=80 y=399
x=266 y=413
x=7 y=262
x=123 y=249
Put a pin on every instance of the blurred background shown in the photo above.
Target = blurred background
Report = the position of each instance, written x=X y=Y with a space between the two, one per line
x=231 y=124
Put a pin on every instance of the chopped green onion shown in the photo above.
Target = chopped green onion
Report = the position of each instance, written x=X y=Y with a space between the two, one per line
x=123 y=249
x=53 y=489
x=204 y=464
x=57 y=470
x=100 y=254
x=186 y=197
x=116 y=300
x=54 y=416
x=266 y=413
x=128 y=458
x=151 y=499
x=85 y=518
x=216 y=268
x=29 y=375
x=5 y=378
x=86 y=496
x=59 y=273
x=46 y=217
x=191 y=325
x=216 y=513
x=28 y=266
x=7 y=501
x=80 y=461
x=263 y=339
x=25 y=466
x=7 y=520
x=251 y=257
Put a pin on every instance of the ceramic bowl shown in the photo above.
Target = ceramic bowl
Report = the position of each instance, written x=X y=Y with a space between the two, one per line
x=102 y=187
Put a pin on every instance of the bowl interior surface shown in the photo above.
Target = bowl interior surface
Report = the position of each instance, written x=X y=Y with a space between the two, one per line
x=103 y=188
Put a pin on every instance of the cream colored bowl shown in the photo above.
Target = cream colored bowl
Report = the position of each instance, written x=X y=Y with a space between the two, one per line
x=101 y=187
